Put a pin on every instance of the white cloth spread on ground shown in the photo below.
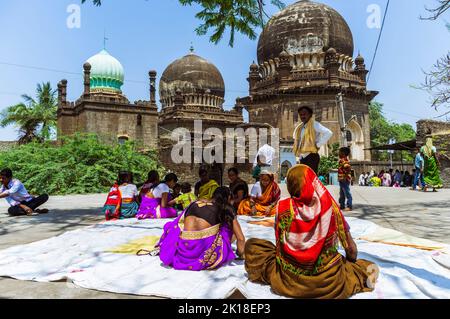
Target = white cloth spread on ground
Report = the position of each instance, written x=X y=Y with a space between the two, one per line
x=81 y=258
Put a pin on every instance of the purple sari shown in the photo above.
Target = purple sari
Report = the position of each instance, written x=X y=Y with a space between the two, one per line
x=195 y=250
x=151 y=208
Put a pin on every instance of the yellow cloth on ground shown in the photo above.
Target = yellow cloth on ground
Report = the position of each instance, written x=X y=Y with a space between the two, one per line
x=307 y=144
x=207 y=190
x=132 y=247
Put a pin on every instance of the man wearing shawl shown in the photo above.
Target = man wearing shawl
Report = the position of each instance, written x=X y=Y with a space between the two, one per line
x=305 y=263
x=264 y=196
x=309 y=137
x=204 y=189
x=431 y=174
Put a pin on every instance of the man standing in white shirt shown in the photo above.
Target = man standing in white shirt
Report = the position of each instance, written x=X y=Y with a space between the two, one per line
x=309 y=137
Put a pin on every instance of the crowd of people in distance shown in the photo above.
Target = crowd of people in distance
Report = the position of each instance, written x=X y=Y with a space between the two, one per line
x=425 y=175
x=386 y=178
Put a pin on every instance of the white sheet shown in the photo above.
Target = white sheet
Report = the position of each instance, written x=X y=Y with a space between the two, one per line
x=79 y=256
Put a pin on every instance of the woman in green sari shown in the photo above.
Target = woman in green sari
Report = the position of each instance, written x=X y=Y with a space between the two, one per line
x=431 y=172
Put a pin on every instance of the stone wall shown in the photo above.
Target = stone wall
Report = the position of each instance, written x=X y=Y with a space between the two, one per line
x=7 y=145
x=110 y=122
x=430 y=127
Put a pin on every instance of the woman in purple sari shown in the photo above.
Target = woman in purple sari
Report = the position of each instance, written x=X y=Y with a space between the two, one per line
x=200 y=238
x=155 y=203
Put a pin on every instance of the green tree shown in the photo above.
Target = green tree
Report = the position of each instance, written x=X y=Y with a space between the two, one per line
x=242 y=16
x=330 y=162
x=382 y=130
x=81 y=164
x=35 y=117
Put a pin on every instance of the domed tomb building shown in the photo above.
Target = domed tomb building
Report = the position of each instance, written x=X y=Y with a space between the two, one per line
x=305 y=58
x=104 y=110
x=192 y=88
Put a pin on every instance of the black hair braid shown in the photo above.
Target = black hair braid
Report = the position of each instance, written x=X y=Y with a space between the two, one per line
x=226 y=211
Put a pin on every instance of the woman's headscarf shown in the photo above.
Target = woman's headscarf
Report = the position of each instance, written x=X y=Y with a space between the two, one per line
x=316 y=218
x=428 y=147
x=273 y=192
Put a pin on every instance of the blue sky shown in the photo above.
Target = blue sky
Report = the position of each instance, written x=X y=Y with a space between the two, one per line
x=150 y=34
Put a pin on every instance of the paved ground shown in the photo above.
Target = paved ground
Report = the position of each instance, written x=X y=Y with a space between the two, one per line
x=425 y=215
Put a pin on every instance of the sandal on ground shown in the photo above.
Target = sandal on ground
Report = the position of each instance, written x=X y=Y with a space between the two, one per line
x=32 y=213
x=42 y=211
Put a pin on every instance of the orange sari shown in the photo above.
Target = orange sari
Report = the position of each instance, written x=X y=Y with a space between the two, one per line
x=264 y=205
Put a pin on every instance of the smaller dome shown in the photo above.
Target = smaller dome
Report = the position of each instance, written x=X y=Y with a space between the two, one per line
x=284 y=54
x=254 y=67
x=191 y=74
x=359 y=60
x=107 y=74
x=331 y=51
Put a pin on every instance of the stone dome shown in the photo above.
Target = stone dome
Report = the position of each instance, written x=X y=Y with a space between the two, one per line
x=191 y=74
x=305 y=27
x=107 y=74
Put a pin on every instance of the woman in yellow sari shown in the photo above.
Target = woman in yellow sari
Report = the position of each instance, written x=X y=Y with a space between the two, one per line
x=204 y=189
x=263 y=198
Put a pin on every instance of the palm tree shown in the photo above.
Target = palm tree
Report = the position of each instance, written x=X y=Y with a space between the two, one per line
x=36 y=118
x=242 y=16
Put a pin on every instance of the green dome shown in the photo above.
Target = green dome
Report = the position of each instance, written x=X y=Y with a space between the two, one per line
x=107 y=73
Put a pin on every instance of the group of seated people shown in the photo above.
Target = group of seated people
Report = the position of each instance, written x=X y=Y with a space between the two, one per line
x=309 y=226
x=164 y=199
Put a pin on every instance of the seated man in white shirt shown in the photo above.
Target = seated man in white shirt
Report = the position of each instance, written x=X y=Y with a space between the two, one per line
x=15 y=193
x=309 y=137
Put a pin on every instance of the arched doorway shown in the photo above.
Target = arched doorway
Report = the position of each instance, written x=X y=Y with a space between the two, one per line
x=355 y=140
x=285 y=166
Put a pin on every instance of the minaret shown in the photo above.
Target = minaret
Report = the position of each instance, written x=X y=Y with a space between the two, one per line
x=253 y=77
x=284 y=67
x=87 y=79
x=64 y=92
x=332 y=65
x=59 y=94
x=179 y=100
x=360 y=69
x=152 y=75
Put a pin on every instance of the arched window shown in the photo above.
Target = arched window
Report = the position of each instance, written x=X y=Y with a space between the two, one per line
x=349 y=136
x=139 y=120
x=122 y=139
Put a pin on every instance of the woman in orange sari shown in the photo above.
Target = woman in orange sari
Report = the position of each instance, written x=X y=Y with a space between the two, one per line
x=305 y=262
x=263 y=198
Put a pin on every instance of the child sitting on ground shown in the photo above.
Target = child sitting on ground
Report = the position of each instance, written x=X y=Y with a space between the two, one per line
x=345 y=179
x=122 y=198
x=184 y=200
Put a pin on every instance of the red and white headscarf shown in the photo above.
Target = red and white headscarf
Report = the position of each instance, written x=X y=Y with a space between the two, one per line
x=310 y=221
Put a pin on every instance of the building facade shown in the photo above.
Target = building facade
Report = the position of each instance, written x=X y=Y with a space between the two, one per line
x=104 y=110
x=305 y=58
